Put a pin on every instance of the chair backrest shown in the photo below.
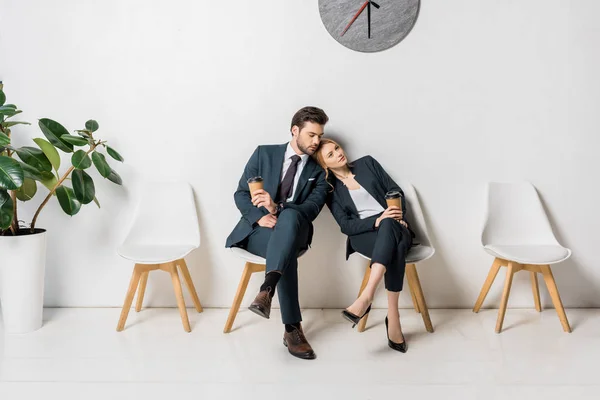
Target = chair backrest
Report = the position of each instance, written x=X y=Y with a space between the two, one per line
x=414 y=214
x=165 y=215
x=515 y=216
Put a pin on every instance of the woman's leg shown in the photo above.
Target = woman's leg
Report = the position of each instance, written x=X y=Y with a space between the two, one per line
x=381 y=246
x=366 y=297
x=394 y=328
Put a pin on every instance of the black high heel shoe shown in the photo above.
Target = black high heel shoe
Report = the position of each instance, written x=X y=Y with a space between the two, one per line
x=401 y=347
x=355 y=319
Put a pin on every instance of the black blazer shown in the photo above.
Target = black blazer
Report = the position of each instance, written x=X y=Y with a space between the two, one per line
x=373 y=178
x=267 y=161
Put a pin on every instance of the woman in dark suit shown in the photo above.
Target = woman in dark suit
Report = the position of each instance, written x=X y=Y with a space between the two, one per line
x=358 y=204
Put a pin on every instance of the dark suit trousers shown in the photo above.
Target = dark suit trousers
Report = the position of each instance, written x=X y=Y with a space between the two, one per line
x=387 y=246
x=281 y=247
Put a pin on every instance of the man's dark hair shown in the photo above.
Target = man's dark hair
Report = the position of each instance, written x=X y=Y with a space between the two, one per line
x=306 y=114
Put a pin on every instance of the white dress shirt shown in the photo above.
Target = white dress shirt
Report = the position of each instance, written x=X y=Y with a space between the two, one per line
x=287 y=161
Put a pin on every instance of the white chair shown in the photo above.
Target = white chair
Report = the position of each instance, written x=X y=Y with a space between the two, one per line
x=165 y=229
x=518 y=234
x=254 y=264
x=421 y=252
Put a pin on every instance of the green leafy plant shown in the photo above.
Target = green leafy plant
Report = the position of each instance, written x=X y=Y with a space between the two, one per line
x=19 y=178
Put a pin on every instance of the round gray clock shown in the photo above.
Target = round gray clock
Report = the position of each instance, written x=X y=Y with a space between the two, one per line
x=369 y=25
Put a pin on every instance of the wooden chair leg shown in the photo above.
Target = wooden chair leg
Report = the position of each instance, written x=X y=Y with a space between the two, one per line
x=141 y=291
x=536 y=291
x=179 y=296
x=551 y=284
x=413 y=296
x=488 y=284
x=190 y=284
x=413 y=276
x=363 y=322
x=249 y=269
x=504 y=302
x=133 y=284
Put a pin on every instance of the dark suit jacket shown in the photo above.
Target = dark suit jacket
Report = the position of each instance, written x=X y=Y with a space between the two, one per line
x=267 y=161
x=371 y=176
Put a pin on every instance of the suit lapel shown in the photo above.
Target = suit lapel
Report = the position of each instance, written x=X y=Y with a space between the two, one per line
x=307 y=171
x=367 y=180
x=274 y=175
x=345 y=197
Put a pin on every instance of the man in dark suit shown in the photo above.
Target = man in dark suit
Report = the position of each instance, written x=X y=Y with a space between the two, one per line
x=276 y=221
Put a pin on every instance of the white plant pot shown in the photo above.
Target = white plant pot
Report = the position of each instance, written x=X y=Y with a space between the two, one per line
x=22 y=268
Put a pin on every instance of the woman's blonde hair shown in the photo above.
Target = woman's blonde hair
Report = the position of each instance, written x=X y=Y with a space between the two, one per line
x=318 y=156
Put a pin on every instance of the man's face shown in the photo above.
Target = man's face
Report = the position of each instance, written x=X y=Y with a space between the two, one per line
x=309 y=137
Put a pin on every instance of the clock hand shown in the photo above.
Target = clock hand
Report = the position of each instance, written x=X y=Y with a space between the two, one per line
x=374 y=4
x=355 y=16
x=369 y=20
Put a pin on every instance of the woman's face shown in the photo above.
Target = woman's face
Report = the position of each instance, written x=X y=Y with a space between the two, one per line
x=333 y=156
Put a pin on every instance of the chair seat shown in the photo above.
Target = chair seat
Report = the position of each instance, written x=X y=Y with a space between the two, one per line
x=253 y=258
x=529 y=254
x=415 y=254
x=247 y=256
x=419 y=253
x=154 y=254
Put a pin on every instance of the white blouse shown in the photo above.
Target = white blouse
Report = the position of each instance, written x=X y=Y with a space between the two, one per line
x=365 y=204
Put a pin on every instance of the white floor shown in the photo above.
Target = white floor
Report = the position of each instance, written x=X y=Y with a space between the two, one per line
x=79 y=355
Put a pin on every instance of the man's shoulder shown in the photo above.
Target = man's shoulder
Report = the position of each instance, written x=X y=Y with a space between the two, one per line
x=272 y=146
x=268 y=149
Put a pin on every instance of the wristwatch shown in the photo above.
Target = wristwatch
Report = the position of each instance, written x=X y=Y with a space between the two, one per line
x=279 y=208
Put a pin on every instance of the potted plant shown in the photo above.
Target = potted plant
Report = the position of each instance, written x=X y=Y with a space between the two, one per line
x=23 y=246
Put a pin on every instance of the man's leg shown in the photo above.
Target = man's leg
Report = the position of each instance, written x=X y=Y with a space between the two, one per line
x=284 y=242
x=258 y=241
x=290 y=225
x=290 y=236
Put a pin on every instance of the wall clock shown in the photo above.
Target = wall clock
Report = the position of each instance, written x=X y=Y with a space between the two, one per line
x=369 y=26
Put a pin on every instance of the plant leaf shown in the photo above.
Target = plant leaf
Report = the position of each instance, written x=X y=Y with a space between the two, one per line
x=81 y=160
x=75 y=140
x=2 y=98
x=115 y=178
x=53 y=132
x=6 y=209
x=8 y=124
x=101 y=164
x=34 y=157
x=67 y=200
x=49 y=181
x=50 y=152
x=113 y=153
x=32 y=173
x=27 y=190
x=11 y=173
x=83 y=133
x=83 y=185
x=4 y=139
x=91 y=125
x=97 y=202
x=7 y=106
x=9 y=112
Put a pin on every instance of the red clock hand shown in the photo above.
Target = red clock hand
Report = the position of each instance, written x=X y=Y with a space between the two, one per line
x=355 y=16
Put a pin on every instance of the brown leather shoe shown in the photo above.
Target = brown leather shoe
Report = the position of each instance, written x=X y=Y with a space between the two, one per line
x=262 y=304
x=297 y=345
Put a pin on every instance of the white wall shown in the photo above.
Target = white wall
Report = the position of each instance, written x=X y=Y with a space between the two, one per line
x=480 y=90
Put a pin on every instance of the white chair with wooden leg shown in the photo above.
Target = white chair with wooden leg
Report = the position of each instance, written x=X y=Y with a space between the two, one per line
x=423 y=251
x=254 y=264
x=518 y=234
x=164 y=231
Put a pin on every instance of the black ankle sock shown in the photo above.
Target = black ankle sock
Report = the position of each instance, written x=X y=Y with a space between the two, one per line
x=271 y=280
x=291 y=327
